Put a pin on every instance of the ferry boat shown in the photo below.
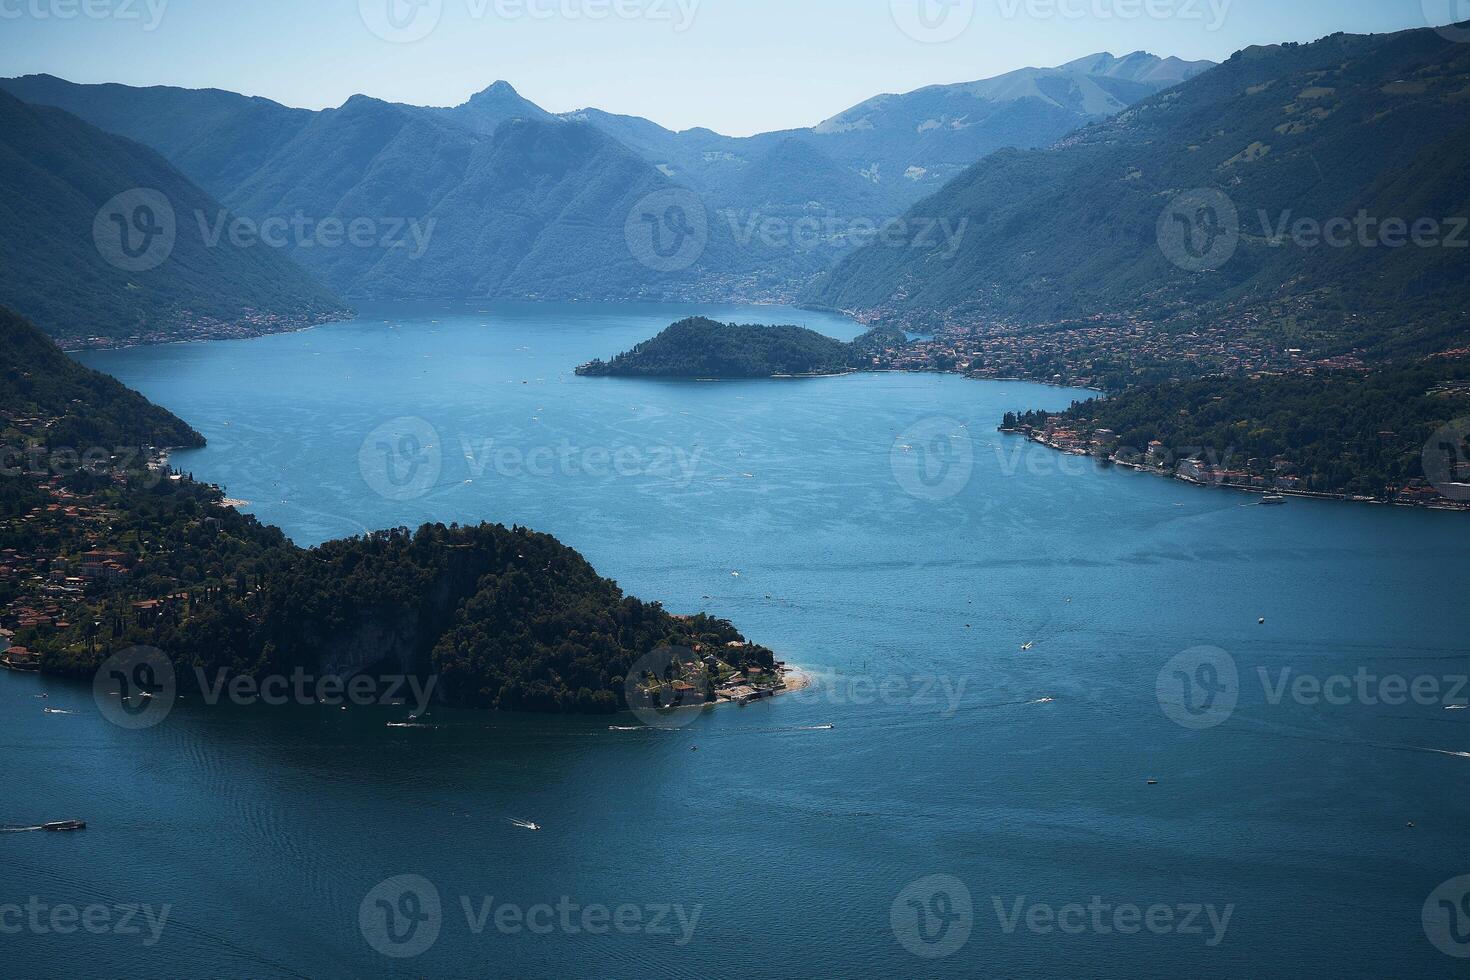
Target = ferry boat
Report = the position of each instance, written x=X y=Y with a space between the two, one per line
x=59 y=825
x=1273 y=500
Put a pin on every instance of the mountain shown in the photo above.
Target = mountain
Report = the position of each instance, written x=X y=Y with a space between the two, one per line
x=914 y=143
x=478 y=215
x=485 y=111
x=101 y=238
x=218 y=139
x=903 y=147
x=40 y=382
x=1139 y=214
x=538 y=209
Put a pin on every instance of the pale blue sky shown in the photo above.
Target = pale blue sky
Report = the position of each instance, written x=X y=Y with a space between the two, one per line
x=737 y=66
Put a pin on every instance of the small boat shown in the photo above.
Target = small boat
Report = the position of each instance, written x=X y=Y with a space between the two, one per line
x=1153 y=782
x=1273 y=500
x=1028 y=646
x=65 y=825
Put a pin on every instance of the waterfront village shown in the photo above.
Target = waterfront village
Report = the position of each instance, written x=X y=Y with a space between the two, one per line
x=196 y=328
x=1102 y=352
x=70 y=553
x=699 y=676
x=1279 y=475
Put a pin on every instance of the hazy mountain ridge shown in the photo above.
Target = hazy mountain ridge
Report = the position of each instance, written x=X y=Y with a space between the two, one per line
x=58 y=175
x=428 y=169
x=1322 y=131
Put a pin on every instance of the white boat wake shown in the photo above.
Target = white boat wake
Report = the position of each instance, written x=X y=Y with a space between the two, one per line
x=524 y=824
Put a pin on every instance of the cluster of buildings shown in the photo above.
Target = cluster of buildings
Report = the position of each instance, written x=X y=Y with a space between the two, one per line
x=192 y=327
x=1280 y=474
x=45 y=586
x=1101 y=352
x=704 y=672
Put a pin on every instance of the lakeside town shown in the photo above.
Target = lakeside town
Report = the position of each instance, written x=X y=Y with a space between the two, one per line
x=191 y=328
x=1102 y=352
x=1276 y=477
x=702 y=676
x=71 y=551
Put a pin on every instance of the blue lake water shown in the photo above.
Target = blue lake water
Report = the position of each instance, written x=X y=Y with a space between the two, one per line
x=888 y=540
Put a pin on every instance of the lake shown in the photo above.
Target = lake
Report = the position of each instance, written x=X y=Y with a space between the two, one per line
x=941 y=802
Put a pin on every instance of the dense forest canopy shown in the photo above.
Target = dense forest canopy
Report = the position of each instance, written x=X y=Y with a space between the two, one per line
x=702 y=348
x=505 y=618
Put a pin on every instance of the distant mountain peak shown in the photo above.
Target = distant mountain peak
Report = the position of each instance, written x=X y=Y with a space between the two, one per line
x=496 y=90
x=1090 y=98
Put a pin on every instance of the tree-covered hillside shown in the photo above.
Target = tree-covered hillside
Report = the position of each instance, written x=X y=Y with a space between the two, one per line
x=1346 y=432
x=40 y=384
x=101 y=237
x=504 y=617
x=1377 y=125
x=702 y=348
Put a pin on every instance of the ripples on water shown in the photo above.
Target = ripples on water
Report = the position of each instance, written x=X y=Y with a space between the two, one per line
x=1021 y=772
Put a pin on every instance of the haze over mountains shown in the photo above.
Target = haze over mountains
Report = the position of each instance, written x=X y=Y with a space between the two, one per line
x=1377 y=126
x=497 y=198
x=99 y=237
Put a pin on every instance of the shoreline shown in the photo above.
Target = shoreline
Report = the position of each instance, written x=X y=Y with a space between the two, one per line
x=1448 y=507
x=208 y=336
